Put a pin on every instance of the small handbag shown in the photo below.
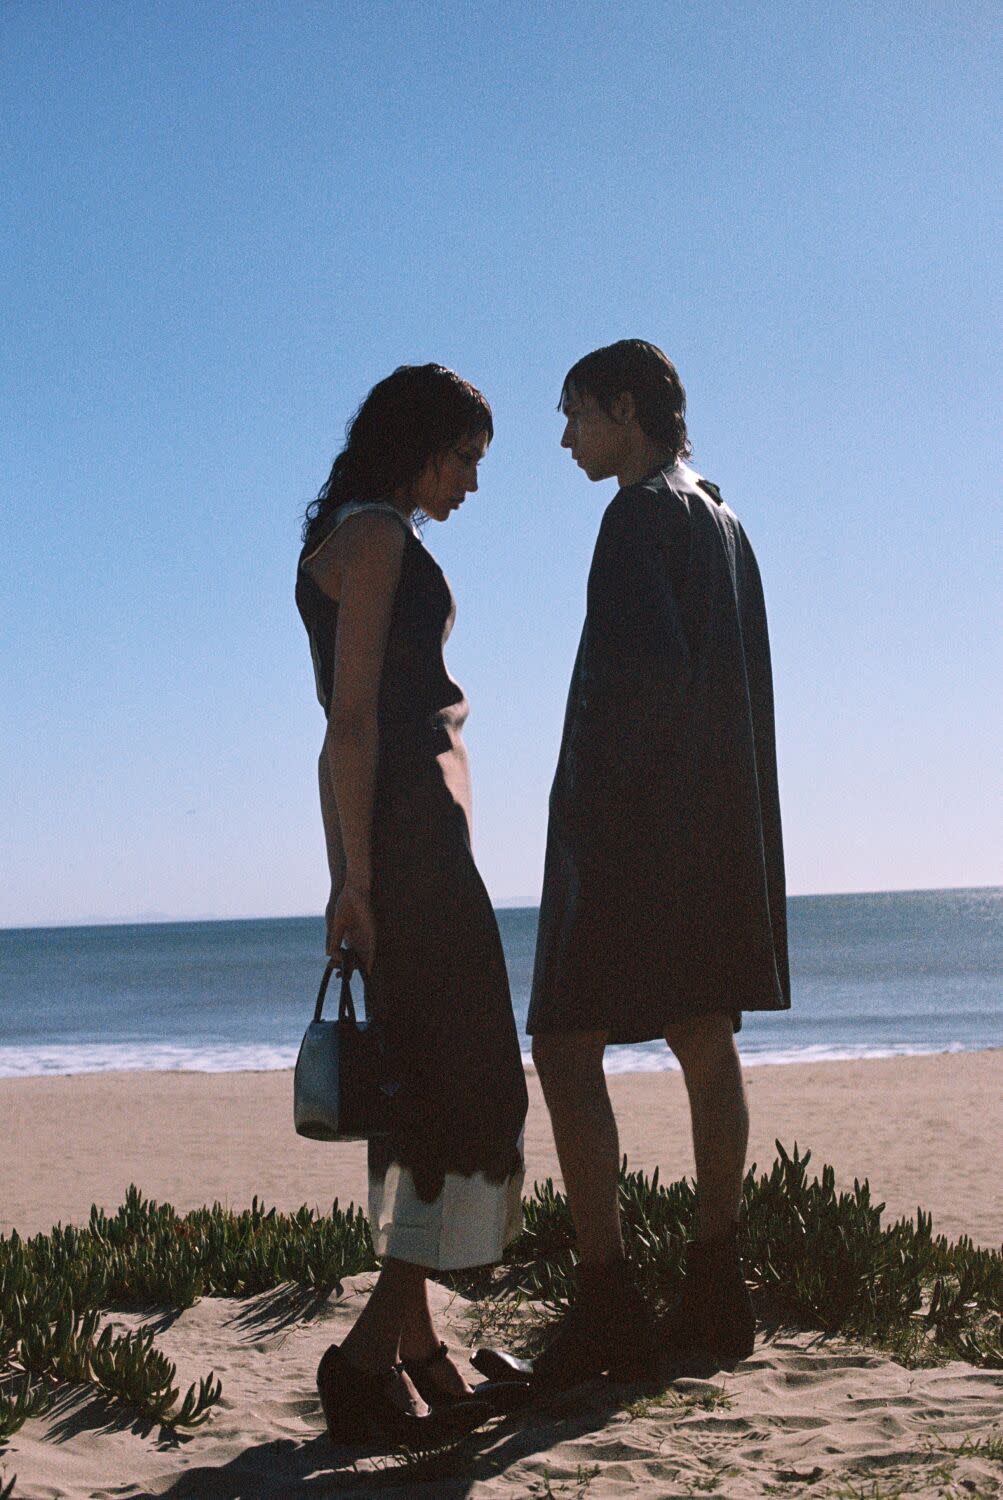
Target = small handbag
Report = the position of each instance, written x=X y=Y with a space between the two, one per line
x=336 y=1085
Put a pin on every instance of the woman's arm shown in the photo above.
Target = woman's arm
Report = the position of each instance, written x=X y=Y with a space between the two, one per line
x=362 y=572
x=332 y=837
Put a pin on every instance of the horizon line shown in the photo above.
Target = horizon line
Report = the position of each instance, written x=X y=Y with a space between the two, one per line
x=158 y=919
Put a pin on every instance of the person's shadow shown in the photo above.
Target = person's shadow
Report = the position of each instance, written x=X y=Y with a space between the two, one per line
x=316 y=1467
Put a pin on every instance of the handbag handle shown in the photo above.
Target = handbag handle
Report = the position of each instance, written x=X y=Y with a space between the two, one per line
x=349 y=961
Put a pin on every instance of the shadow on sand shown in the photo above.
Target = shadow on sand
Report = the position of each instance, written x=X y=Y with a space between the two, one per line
x=318 y=1468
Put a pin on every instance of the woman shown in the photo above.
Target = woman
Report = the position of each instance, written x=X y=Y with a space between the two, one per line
x=445 y=1180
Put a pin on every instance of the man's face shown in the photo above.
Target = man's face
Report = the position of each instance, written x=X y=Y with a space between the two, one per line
x=595 y=440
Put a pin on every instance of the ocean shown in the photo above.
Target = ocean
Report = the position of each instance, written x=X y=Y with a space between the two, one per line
x=872 y=976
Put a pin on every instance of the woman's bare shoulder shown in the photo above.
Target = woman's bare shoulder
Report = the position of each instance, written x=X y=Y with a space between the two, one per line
x=367 y=537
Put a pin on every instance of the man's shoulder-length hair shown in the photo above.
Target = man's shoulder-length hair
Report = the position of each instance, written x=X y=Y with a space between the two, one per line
x=651 y=378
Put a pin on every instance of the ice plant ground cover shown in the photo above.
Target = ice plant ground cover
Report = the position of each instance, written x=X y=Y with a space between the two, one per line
x=817 y=1259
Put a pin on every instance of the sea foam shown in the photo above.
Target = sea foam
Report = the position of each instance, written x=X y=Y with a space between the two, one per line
x=124 y=1057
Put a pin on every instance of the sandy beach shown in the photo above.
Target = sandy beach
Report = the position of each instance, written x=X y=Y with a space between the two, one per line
x=924 y=1130
x=799 y=1417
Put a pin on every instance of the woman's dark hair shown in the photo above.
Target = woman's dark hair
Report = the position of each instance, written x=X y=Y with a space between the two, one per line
x=407 y=419
x=650 y=377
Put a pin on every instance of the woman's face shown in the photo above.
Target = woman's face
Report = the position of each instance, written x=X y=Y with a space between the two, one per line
x=449 y=477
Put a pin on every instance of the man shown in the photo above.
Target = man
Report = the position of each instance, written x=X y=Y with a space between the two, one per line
x=663 y=907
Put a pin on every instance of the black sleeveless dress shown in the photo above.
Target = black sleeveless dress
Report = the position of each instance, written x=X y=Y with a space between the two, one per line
x=445 y=1183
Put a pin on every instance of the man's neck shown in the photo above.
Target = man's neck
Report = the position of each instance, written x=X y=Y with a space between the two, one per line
x=643 y=459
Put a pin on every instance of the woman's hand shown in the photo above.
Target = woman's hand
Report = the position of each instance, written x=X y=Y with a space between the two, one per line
x=350 y=921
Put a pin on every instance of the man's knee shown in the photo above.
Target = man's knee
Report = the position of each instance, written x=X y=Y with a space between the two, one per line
x=704 y=1044
x=569 y=1064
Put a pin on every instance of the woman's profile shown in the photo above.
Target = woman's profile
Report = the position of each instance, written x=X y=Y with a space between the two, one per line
x=445 y=1179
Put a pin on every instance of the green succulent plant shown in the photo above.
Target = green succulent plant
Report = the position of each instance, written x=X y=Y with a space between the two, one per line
x=817 y=1259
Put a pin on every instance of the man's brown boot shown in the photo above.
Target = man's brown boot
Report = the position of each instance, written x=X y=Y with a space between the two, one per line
x=610 y=1328
x=713 y=1313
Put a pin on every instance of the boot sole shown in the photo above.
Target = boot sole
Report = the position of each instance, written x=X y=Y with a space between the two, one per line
x=725 y=1356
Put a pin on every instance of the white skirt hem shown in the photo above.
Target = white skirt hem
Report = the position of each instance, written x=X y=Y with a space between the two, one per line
x=468 y=1224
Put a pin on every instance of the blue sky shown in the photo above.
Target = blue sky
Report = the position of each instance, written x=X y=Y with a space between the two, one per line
x=224 y=222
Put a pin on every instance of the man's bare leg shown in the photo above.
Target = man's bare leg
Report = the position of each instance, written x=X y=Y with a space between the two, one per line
x=569 y=1065
x=611 y=1328
x=713 y=1312
x=719 y=1112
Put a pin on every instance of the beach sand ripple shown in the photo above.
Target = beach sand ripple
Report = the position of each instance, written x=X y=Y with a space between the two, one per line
x=802 y=1416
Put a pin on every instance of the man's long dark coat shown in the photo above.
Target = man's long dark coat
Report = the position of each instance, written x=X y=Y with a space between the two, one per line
x=663 y=890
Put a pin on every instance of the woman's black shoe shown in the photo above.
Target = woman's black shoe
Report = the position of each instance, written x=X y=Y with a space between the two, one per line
x=358 y=1408
x=504 y=1395
x=498 y=1364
